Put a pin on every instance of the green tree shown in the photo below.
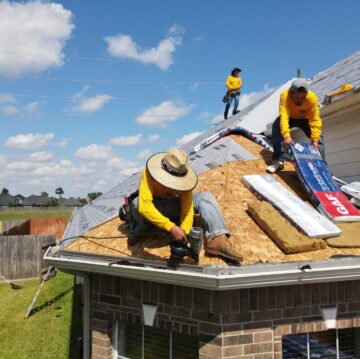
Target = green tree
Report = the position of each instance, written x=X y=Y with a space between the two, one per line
x=44 y=194
x=94 y=195
x=5 y=191
x=59 y=191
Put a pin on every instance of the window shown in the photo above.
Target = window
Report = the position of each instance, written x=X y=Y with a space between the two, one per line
x=332 y=344
x=143 y=342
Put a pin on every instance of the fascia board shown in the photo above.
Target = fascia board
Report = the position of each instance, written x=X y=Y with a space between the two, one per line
x=263 y=276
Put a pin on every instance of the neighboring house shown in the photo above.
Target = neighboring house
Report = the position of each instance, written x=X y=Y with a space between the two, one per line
x=6 y=200
x=276 y=305
x=18 y=199
x=9 y=200
x=70 y=202
x=38 y=201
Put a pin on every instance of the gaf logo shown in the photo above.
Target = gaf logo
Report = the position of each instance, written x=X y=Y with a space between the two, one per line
x=335 y=202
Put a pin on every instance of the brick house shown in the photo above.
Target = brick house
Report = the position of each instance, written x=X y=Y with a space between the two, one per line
x=275 y=305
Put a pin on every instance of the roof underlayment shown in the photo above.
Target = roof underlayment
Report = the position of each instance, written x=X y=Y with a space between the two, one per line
x=256 y=118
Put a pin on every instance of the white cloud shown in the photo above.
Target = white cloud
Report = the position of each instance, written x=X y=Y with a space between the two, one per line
x=89 y=104
x=161 y=115
x=31 y=108
x=64 y=142
x=94 y=152
x=28 y=110
x=187 y=138
x=58 y=169
x=198 y=38
x=125 y=167
x=144 y=154
x=29 y=140
x=7 y=97
x=41 y=156
x=154 y=138
x=217 y=119
x=123 y=46
x=248 y=99
x=32 y=36
x=126 y=140
x=10 y=110
x=20 y=166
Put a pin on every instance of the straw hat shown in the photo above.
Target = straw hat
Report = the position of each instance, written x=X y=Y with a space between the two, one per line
x=171 y=169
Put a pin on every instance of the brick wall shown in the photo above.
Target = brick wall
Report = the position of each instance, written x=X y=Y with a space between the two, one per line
x=245 y=323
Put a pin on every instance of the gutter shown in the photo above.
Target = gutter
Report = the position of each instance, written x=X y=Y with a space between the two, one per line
x=214 y=277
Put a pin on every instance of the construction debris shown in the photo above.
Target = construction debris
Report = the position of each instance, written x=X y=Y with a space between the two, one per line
x=319 y=184
x=349 y=238
x=283 y=233
x=304 y=217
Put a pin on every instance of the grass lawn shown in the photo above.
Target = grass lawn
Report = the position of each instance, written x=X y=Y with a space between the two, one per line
x=49 y=333
x=24 y=215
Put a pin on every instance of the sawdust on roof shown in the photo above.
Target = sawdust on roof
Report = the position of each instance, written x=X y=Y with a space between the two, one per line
x=225 y=183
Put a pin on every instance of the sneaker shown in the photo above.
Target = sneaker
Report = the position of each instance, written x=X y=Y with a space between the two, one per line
x=235 y=112
x=222 y=246
x=275 y=166
x=225 y=116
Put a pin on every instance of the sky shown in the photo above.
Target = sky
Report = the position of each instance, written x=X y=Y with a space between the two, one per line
x=90 y=89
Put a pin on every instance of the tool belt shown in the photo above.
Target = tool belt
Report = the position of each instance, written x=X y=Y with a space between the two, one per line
x=125 y=213
x=228 y=94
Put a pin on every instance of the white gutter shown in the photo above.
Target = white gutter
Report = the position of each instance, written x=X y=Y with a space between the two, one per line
x=222 y=278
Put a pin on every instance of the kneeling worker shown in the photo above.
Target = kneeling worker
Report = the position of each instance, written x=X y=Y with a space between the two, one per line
x=298 y=108
x=166 y=201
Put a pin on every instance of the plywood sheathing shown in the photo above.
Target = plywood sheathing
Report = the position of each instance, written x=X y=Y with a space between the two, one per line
x=224 y=183
x=280 y=230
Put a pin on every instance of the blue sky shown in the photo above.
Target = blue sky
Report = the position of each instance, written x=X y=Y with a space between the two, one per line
x=88 y=89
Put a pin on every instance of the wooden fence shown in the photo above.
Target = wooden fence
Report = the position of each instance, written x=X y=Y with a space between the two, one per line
x=54 y=226
x=21 y=255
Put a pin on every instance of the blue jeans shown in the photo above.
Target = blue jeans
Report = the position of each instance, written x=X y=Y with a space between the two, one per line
x=232 y=96
x=277 y=138
x=204 y=204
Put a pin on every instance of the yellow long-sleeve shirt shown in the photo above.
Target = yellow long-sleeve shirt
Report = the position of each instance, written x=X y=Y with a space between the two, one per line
x=309 y=110
x=233 y=83
x=149 y=189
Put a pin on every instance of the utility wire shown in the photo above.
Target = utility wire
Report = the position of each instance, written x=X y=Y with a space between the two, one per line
x=102 y=59
x=127 y=82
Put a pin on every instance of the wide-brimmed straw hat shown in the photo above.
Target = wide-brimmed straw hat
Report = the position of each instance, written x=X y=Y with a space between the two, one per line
x=171 y=169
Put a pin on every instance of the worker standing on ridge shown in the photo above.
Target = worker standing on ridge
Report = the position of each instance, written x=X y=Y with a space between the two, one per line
x=298 y=108
x=166 y=201
x=233 y=84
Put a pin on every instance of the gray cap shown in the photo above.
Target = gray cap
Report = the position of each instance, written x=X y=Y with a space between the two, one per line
x=298 y=83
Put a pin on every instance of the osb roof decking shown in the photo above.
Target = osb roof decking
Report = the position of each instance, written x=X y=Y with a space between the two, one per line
x=225 y=183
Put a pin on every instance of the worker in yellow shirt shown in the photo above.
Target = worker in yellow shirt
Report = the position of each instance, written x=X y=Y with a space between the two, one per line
x=166 y=202
x=233 y=85
x=298 y=108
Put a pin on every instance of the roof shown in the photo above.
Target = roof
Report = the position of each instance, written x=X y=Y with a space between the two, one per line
x=220 y=167
x=73 y=202
x=224 y=181
x=6 y=199
x=36 y=200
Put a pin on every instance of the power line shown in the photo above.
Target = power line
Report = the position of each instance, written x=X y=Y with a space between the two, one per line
x=127 y=82
x=103 y=59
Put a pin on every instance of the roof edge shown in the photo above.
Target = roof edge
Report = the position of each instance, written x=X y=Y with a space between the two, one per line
x=213 y=277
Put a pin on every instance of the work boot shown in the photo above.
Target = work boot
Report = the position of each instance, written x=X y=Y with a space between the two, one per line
x=223 y=246
x=277 y=165
x=133 y=239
